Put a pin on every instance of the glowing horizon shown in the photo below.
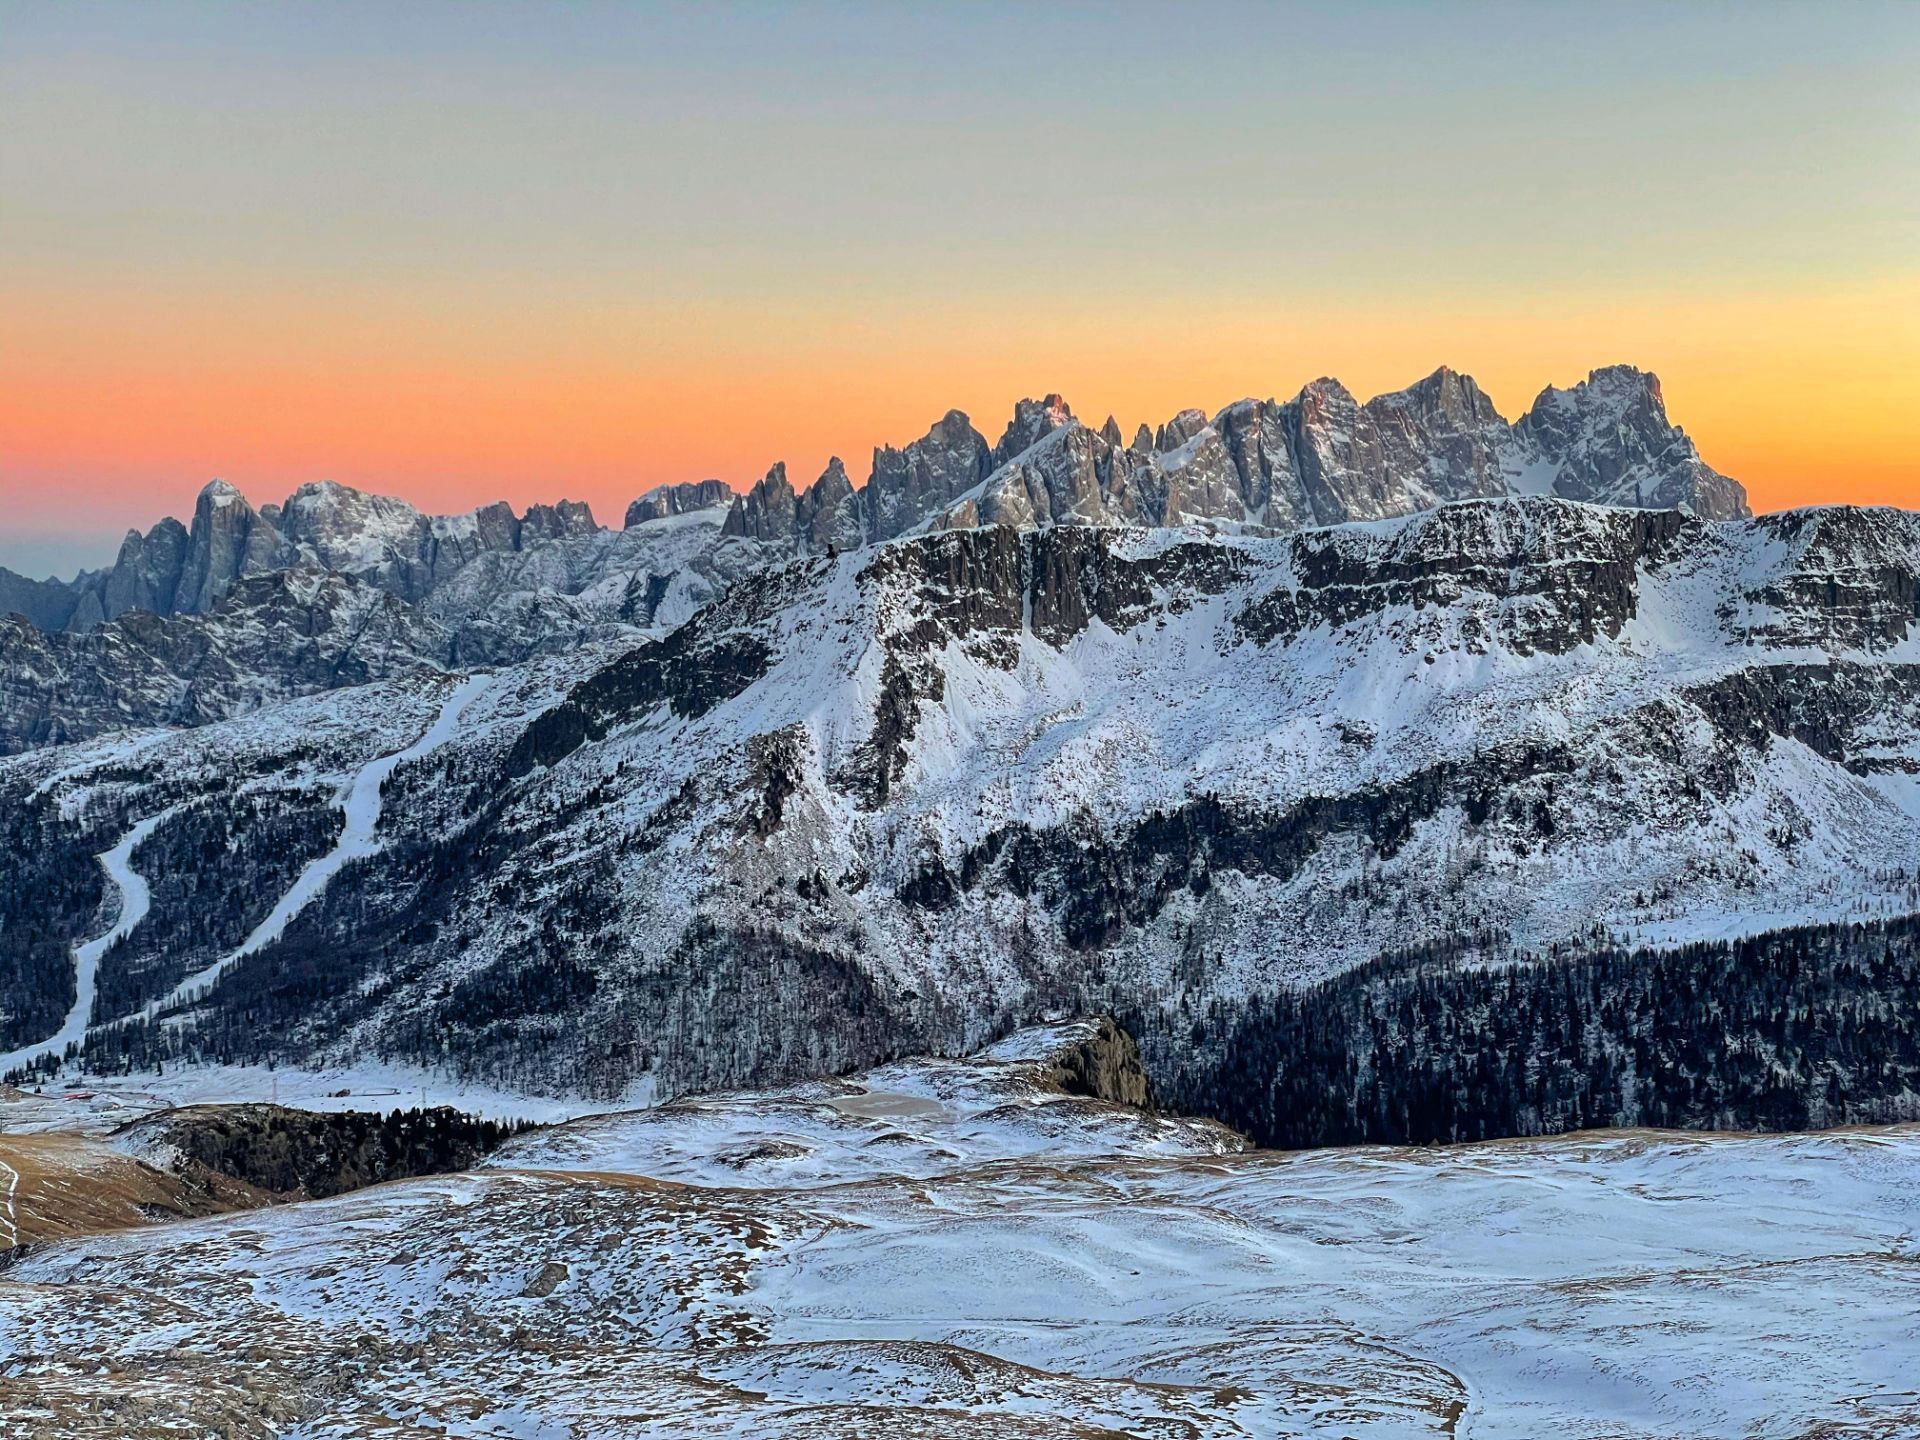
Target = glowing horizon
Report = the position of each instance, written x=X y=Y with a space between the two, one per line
x=579 y=253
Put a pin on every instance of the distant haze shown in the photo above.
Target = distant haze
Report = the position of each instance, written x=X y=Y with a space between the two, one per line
x=527 y=252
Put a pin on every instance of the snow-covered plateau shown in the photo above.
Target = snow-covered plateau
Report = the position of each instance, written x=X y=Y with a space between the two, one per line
x=958 y=1248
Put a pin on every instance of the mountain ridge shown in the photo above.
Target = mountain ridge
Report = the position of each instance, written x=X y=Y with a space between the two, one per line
x=492 y=586
x=902 y=797
x=1321 y=458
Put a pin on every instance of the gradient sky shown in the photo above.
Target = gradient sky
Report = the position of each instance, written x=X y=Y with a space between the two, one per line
x=459 y=253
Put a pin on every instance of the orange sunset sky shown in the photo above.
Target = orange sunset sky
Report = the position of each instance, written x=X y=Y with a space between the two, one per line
x=534 y=252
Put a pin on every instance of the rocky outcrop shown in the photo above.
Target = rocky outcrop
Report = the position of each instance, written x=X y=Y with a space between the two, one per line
x=382 y=541
x=1440 y=440
x=765 y=512
x=375 y=538
x=1032 y=422
x=49 y=604
x=681 y=499
x=1850 y=579
x=824 y=519
x=1608 y=439
x=146 y=574
x=907 y=486
x=556 y=522
x=228 y=539
x=1191 y=482
x=1104 y=1066
x=1055 y=481
x=269 y=638
x=458 y=540
x=1537 y=576
x=828 y=518
x=1324 y=458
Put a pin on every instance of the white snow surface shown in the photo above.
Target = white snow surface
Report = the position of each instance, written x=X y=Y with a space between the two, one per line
x=1632 y=1285
x=82 y=1103
x=916 y=1118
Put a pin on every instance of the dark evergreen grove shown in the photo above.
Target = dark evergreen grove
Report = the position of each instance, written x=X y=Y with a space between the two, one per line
x=1796 y=1029
x=300 y=1153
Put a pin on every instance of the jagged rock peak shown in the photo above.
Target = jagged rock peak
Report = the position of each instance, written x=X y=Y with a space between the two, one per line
x=1608 y=439
x=829 y=517
x=1110 y=432
x=146 y=573
x=681 y=499
x=1179 y=430
x=219 y=493
x=907 y=486
x=228 y=540
x=1445 y=392
x=1032 y=421
x=48 y=604
x=556 y=522
x=766 y=512
x=333 y=517
x=1325 y=391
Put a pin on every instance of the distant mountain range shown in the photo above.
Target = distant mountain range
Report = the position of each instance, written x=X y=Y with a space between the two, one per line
x=771 y=784
x=489 y=586
x=1321 y=458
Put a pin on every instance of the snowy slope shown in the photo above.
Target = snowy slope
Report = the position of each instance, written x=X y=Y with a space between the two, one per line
x=1634 y=1285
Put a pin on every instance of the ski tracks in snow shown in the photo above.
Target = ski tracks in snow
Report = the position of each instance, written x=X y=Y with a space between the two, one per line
x=135 y=898
x=361 y=804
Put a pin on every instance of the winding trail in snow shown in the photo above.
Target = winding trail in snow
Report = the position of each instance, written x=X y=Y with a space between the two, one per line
x=135 y=898
x=13 y=1217
x=361 y=804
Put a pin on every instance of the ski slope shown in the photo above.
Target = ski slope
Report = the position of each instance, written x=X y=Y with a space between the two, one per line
x=135 y=899
x=361 y=806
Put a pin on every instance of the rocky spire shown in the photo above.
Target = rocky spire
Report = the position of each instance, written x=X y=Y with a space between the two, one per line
x=829 y=517
x=146 y=574
x=228 y=540
x=1032 y=421
x=1180 y=429
x=909 y=485
x=766 y=512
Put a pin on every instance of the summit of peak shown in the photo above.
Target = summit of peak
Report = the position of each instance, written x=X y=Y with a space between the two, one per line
x=1033 y=420
x=221 y=492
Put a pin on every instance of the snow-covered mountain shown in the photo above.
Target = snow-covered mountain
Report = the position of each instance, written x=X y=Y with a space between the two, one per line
x=904 y=797
x=336 y=617
x=1320 y=459
x=490 y=586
